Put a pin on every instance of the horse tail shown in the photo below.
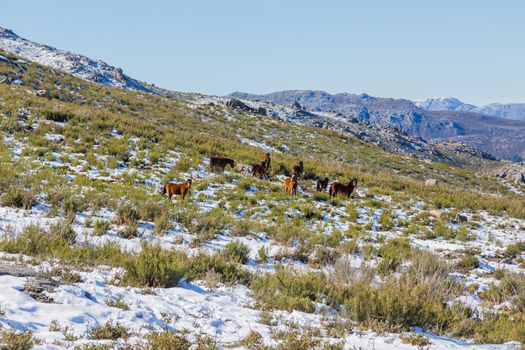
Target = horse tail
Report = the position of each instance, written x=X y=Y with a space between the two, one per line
x=330 y=191
x=164 y=189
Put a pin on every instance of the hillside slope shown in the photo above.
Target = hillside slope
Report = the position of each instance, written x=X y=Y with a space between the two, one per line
x=92 y=256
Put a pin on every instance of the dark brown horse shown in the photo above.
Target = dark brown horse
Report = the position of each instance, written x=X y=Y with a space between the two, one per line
x=347 y=189
x=298 y=169
x=220 y=163
x=177 y=189
x=290 y=185
x=322 y=184
x=258 y=170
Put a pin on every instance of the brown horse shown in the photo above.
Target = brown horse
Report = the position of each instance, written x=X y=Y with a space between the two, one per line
x=298 y=169
x=220 y=163
x=290 y=185
x=176 y=189
x=322 y=184
x=258 y=170
x=347 y=189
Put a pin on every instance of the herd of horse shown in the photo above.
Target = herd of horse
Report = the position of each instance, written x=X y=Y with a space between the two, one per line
x=261 y=170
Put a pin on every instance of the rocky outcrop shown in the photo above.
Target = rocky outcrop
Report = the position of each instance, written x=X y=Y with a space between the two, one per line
x=510 y=171
x=238 y=104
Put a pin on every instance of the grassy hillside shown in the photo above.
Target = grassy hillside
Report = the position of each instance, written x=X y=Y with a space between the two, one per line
x=80 y=178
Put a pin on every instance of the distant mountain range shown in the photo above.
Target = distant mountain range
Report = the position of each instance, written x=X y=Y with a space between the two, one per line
x=504 y=138
x=498 y=129
x=502 y=110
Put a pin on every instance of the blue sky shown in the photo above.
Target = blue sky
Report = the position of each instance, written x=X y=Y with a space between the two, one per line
x=470 y=49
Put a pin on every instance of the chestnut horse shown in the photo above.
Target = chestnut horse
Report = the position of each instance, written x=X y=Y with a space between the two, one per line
x=322 y=184
x=338 y=187
x=290 y=185
x=220 y=163
x=298 y=169
x=176 y=189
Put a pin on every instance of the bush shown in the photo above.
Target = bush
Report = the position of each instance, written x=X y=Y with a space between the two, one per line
x=467 y=263
x=18 y=198
x=289 y=232
x=401 y=303
x=57 y=116
x=310 y=212
x=237 y=251
x=162 y=224
x=230 y=272
x=514 y=249
x=109 y=330
x=206 y=225
x=127 y=214
x=14 y=339
x=167 y=340
x=386 y=221
x=289 y=290
x=326 y=255
x=63 y=230
x=100 y=227
x=129 y=231
x=33 y=241
x=392 y=253
x=154 y=267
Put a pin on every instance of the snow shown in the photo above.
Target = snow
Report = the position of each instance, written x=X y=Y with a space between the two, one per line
x=258 y=144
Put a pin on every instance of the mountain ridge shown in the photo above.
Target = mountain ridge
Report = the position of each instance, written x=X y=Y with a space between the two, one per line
x=501 y=110
x=81 y=66
x=504 y=138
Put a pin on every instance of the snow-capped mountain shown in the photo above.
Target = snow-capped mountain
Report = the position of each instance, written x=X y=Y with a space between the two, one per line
x=501 y=110
x=78 y=65
x=444 y=104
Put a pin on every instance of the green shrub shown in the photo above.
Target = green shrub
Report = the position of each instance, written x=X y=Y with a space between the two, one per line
x=155 y=267
x=167 y=340
x=208 y=225
x=514 y=249
x=289 y=290
x=386 y=221
x=162 y=224
x=63 y=230
x=127 y=214
x=18 y=198
x=109 y=330
x=310 y=212
x=129 y=231
x=230 y=271
x=237 y=251
x=467 y=263
x=19 y=340
x=57 y=116
x=326 y=255
x=100 y=227
x=262 y=254
x=289 y=232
